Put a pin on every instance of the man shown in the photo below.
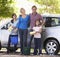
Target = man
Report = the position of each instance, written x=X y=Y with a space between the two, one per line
x=33 y=17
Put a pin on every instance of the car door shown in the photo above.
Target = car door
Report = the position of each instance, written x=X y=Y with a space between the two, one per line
x=4 y=34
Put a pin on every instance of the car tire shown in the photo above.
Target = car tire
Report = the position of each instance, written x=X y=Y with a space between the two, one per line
x=0 y=45
x=52 y=47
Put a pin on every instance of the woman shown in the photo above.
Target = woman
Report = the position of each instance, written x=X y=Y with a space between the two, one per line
x=13 y=32
x=22 y=25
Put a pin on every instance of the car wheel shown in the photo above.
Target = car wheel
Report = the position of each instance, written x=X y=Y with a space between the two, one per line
x=52 y=46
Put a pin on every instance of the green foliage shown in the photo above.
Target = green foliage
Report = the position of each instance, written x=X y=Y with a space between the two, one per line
x=5 y=8
x=51 y=6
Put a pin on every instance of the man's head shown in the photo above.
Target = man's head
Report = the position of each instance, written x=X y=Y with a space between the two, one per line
x=34 y=9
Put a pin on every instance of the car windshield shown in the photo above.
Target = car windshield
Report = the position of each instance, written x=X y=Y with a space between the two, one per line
x=51 y=22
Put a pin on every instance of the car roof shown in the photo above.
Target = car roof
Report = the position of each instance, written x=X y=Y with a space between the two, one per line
x=4 y=21
x=51 y=15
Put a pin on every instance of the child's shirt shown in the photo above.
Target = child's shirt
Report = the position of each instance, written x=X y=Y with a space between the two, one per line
x=13 y=32
x=37 y=29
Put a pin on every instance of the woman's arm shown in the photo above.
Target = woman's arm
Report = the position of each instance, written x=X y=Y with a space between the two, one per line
x=28 y=21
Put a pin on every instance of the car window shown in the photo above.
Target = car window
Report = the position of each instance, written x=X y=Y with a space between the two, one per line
x=51 y=22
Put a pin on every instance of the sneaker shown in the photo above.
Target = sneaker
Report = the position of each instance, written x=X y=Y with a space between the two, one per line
x=40 y=54
x=8 y=52
x=34 y=53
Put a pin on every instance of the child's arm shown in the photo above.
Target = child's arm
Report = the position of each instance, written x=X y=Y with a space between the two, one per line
x=15 y=29
x=40 y=31
x=33 y=32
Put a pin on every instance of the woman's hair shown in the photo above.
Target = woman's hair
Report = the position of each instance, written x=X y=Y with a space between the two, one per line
x=21 y=9
x=13 y=15
x=40 y=23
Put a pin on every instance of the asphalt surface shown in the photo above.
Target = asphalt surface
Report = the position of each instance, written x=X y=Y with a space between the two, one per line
x=3 y=53
x=18 y=55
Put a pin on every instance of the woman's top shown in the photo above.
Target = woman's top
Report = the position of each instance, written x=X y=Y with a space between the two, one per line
x=23 y=22
x=37 y=30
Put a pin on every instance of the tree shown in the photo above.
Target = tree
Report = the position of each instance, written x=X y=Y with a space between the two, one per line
x=5 y=8
x=51 y=6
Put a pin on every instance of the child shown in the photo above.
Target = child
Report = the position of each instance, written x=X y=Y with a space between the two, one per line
x=37 y=37
x=13 y=31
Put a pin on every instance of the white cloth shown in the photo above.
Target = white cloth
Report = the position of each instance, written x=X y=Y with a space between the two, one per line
x=13 y=32
x=37 y=29
x=15 y=23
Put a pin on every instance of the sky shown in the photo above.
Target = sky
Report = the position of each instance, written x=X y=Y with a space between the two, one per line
x=25 y=4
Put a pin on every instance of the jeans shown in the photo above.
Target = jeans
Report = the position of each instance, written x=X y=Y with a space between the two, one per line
x=37 y=42
x=31 y=38
x=23 y=38
x=9 y=42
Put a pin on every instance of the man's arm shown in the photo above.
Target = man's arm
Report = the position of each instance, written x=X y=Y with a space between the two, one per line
x=42 y=20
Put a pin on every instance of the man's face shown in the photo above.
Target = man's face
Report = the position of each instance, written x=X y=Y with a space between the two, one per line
x=34 y=10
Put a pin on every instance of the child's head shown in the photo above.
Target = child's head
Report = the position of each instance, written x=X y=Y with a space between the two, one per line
x=14 y=16
x=38 y=22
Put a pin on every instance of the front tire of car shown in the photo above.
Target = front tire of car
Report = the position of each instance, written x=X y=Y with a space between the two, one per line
x=52 y=46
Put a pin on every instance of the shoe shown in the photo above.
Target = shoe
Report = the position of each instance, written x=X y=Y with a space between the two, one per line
x=8 y=52
x=21 y=53
x=34 y=53
x=40 y=54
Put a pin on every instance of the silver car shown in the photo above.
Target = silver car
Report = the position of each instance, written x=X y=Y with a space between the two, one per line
x=50 y=34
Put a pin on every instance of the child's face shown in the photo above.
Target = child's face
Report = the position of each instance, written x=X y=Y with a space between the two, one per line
x=14 y=17
x=37 y=23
